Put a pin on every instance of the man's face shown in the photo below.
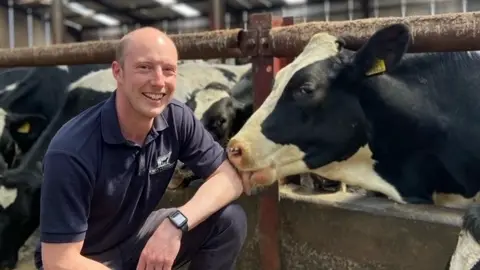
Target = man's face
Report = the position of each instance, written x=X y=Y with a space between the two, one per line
x=148 y=75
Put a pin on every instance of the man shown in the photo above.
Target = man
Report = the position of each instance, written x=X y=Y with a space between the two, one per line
x=106 y=170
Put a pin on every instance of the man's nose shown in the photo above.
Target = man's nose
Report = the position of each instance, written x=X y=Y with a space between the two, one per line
x=158 y=79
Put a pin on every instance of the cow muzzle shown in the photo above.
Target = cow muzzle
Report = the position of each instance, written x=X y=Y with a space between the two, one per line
x=249 y=155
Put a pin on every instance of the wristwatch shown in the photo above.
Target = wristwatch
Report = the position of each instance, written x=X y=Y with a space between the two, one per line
x=179 y=220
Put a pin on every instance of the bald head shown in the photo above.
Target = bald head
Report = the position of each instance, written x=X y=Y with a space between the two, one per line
x=141 y=38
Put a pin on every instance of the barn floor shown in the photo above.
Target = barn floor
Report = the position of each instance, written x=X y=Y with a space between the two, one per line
x=26 y=253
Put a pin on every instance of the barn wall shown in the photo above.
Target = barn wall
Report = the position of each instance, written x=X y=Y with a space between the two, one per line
x=21 y=33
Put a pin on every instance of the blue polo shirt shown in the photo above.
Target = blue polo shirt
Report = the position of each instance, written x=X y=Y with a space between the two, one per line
x=100 y=188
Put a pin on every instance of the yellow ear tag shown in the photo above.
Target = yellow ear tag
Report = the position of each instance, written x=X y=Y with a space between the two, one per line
x=25 y=128
x=378 y=67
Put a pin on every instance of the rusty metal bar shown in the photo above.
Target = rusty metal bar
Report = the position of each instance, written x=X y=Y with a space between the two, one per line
x=265 y=67
x=202 y=45
x=442 y=32
x=57 y=21
x=432 y=33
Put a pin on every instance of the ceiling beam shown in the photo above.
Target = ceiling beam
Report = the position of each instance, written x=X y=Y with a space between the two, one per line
x=235 y=13
x=119 y=10
x=113 y=8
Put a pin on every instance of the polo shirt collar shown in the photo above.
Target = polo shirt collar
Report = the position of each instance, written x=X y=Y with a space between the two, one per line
x=110 y=126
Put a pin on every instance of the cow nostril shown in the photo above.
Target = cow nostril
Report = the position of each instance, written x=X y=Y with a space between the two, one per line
x=235 y=151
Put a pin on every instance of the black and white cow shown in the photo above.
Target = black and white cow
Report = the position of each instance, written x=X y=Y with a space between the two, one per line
x=9 y=78
x=467 y=252
x=222 y=110
x=403 y=125
x=29 y=100
x=25 y=179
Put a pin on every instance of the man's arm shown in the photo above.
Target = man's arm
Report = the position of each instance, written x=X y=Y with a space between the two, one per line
x=223 y=187
x=208 y=160
x=65 y=206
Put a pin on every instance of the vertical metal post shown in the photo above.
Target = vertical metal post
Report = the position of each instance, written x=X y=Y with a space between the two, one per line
x=165 y=26
x=350 y=9
x=326 y=8
x=264 y=69
x=245 y=19
x=228 y=20
x=30 y=27
x=57 y=21
x=217 y=17
x=365 y=6
x=48 y=36
x=11 y=24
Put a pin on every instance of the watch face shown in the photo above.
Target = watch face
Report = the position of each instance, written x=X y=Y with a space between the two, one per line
x=178 y=218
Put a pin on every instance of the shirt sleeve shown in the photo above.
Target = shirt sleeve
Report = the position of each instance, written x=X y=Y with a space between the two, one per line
x=65 y=198
x=198 y=150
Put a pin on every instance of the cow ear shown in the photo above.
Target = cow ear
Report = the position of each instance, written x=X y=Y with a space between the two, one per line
x=27 y=124
x=382 y=51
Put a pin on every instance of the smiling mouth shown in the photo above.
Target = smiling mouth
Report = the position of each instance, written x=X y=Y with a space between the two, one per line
x=154 y=97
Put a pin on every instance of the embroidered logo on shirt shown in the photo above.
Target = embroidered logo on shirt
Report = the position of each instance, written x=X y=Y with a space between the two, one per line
x=163 y=163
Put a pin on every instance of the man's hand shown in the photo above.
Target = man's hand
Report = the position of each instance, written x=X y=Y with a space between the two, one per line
x=161 y=249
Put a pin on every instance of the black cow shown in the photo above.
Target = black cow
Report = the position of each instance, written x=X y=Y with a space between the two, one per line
x=403 y=125
x=29 y=100
x=9 y=78
x=223 y=111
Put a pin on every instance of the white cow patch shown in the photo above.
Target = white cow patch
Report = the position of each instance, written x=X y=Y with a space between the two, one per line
x=11 y=87
x=454 y=200
x=358 y=171
x=63 y=67
x=205 y=98
x=100 y=81
x=7 y=196
x=195 y=75
x=467 y=252
x=3 y=115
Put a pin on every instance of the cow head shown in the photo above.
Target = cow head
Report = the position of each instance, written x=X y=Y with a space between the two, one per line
x=312 y=117
x=18 y=133
x=219 y=113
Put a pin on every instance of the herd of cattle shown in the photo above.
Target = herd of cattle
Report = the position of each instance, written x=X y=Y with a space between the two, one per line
x=399 y=125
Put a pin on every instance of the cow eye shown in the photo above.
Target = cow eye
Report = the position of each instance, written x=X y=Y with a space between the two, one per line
x=304 y=92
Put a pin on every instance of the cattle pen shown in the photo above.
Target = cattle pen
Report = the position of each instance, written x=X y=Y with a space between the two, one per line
x=289 y=229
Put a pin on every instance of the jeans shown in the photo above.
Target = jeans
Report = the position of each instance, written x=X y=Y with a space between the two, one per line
x=214 y=244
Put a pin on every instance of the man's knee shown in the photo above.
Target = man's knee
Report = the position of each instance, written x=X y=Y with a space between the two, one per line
x=232 y=220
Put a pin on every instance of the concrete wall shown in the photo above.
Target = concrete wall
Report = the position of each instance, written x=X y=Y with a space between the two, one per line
x=348 y=231
x=21 y=32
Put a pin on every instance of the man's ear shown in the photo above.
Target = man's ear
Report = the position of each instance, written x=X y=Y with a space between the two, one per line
x=382 y=51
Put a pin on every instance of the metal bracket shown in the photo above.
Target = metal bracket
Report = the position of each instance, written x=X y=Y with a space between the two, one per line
x=255 y=40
